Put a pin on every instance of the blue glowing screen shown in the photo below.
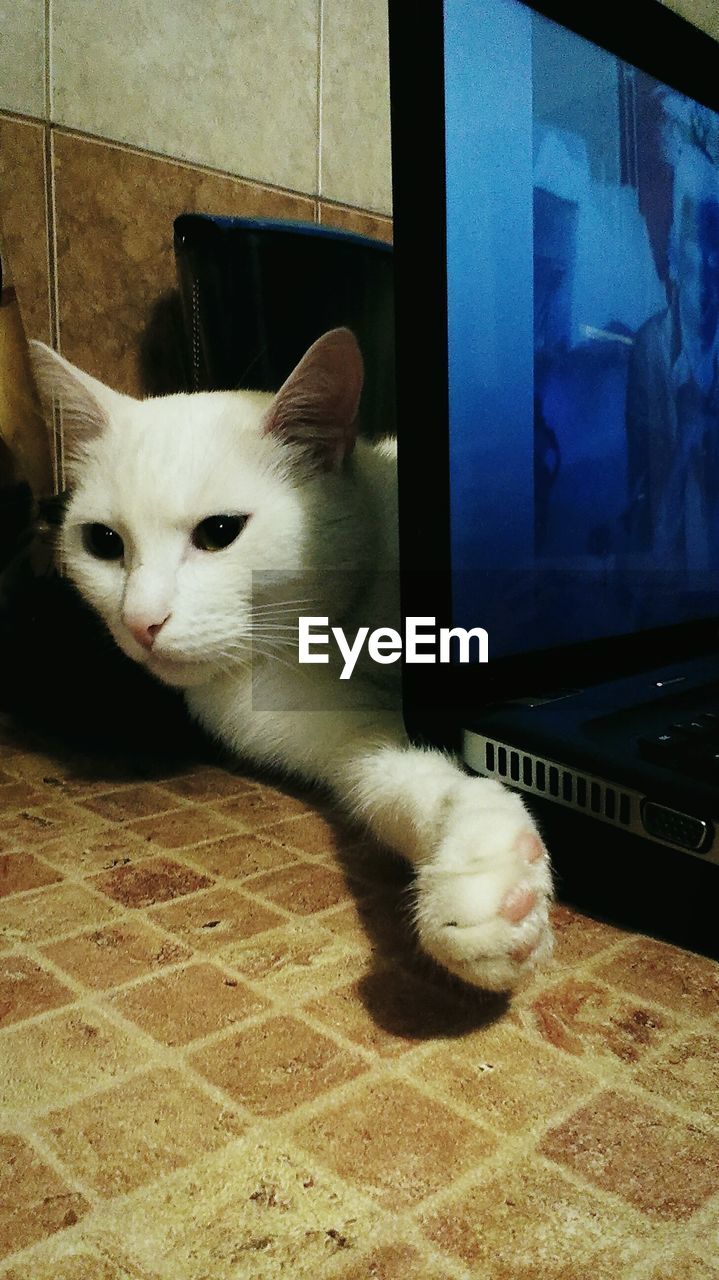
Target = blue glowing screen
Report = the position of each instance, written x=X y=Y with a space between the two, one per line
x=583 y=324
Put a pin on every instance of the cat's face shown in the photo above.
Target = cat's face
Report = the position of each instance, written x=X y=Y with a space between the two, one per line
x=192 y=518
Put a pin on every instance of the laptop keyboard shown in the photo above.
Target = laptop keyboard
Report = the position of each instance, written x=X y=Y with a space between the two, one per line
x=688 y=746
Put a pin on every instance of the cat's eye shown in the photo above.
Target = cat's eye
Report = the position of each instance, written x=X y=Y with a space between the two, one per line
x=102 y=542
x=217 y=532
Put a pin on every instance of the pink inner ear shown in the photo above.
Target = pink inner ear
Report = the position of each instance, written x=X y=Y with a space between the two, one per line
x=317 y=406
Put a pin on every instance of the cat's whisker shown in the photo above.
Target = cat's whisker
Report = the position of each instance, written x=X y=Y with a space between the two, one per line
x=274 y=619
x=274 y=628
x=303 y=603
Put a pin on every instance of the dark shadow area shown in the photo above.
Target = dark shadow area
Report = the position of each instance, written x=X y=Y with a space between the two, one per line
x=164 y=357
x=631 y=883
x=62 y=675
x=257 y=293
x=405 y=992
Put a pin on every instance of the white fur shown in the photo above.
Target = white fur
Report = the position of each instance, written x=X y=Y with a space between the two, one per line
x=324 y=535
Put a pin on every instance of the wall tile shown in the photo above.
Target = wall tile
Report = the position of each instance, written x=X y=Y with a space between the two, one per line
x=22 y=56
x=24 y=220
x=231 y=86
x=355 y=137
x=115 y=210
x=356 y=220
x=703 y=13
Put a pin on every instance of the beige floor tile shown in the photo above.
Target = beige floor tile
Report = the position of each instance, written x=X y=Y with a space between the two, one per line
x=106 y=957
x=32 y=828
x=26 y=989
x=509 y=1082
x=396 y=1261
x=587 y=1019
x=676 y=979
x=687 y=1074
x=311 y=834
x=19 y=794
x=131 y=1134
x=188 y=1003
x=21 y=871
x=680 y=1265
x=53 y=911
x=298 y=961
x=276 y=1065
x=71 y=1261
x=89 y=852
x=411 y=1147
x=212 y=920
x=182 y=828
x=390 y=1012
x=303 y=888
x=532 y=1223
x=238 y=856
x=257 y=1209
x=130 y=802
x=49 y=1062
x=566 y=1134
x=208 y=784
x=665 y=1167
x=154 y=880
x=34 y=1201
x=577 y=938
x=257 y=806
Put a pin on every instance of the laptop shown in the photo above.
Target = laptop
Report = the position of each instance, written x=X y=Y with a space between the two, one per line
x=556 y=202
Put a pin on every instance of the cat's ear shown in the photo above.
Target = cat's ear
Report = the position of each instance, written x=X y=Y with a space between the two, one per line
x=316 y=408
x=86 y=403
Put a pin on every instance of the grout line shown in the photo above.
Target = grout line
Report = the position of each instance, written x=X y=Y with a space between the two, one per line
x=320 y=86
x=64 y=1171
x=47 y=70
x=21 y=117
x=53 y=273
x=195 y=166
x=264 y=184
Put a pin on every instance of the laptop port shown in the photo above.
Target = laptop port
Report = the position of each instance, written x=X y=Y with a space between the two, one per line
x=680 y=829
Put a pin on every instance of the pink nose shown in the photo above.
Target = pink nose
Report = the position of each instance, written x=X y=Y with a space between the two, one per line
x=143 y=631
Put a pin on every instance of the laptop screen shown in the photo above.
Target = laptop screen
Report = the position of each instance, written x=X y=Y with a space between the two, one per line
x=583 y=327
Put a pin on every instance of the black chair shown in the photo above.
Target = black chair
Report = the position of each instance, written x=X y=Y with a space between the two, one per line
x=256 y=294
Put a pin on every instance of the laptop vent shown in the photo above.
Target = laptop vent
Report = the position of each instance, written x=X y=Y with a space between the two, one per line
x=566 y=786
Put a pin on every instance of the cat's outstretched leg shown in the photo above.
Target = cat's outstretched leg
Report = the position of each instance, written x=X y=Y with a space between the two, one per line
x=483 y=879
x=483 y=876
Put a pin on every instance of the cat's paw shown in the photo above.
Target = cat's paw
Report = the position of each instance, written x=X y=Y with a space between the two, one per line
x=482 y=907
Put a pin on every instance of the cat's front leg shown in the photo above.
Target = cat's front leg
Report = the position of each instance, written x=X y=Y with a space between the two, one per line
x=483 y=884
x=483 y=880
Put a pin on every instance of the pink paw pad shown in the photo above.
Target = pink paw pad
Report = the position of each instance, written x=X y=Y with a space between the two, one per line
x=523 y=952
x=518 y=904
x=530 y=847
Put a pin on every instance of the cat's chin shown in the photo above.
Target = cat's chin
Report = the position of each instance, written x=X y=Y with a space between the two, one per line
x=179 y=675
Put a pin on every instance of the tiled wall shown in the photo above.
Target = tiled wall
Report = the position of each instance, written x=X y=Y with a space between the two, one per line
x=116 y=117
x=703 y=13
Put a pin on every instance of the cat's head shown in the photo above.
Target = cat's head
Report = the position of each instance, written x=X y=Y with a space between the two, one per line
x=193 y=520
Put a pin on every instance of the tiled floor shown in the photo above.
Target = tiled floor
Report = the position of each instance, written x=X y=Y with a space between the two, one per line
x=220 y=1057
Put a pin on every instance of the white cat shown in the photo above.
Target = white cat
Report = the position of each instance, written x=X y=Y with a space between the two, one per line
x=200 y=527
